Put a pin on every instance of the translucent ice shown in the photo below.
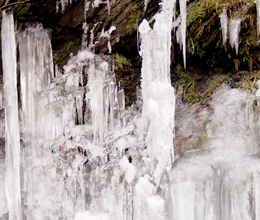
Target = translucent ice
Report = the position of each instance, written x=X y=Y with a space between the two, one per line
x=183 y=10
x=234 y=29
x=258 y=15
x=12 y=131
x=224 y=25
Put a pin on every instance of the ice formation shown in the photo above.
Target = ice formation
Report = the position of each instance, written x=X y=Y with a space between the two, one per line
x=12 y=133
x=106 y=34
x=155 y=51
x=234 y=29
x=224 y=25
x=62 y=4
x=219 y=179
x=84 y=156
x=258 y=15
x=183 y=11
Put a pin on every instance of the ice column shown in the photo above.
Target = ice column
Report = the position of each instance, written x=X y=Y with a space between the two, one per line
x=96 y=81
x=234 y=29
x=36 y=74
x=224 y=25
x=157 y=92
x=12 y=133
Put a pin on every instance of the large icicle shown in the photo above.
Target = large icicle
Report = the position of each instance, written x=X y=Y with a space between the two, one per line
x=234 y=29
x=36 y=74
x=224 y=25
x=12 y=132
x=155 y=51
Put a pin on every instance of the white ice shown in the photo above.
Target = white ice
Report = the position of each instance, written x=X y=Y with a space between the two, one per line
x=234 y=29
x=159 y=113
x=224 y=25
x=12 y=131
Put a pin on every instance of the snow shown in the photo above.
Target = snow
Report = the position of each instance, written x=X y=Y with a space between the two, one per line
x=224 y=25
x=234 y=29
x=12 y=131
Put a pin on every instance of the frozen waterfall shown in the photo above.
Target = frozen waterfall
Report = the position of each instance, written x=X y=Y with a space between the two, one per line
x=84 y=155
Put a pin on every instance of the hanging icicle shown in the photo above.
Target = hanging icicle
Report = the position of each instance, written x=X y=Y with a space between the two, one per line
x=234 y=29
x=224 y=25
x=183 y=10
x=258 y=15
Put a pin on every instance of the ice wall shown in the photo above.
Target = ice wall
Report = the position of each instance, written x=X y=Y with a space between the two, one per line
x=12 y=131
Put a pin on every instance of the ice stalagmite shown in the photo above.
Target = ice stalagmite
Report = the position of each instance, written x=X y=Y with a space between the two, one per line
x=224 y=25
x=155 y=51
x=12 y=132
x=234 y=29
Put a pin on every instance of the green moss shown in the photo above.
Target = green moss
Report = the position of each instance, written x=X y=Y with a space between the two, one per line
x=68 y=46
x=248 y=80
x=121 y=61
x=190 y=87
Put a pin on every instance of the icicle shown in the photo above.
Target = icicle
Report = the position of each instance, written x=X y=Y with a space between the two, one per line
x=36 y=65
x=106 y=34
x=258 y=15
x=79 y=105
x=96 y=79
x=234 y=29
x=63 y=3
x=183 y=10
x=121 y=106
x=12 y=131
x=91 y=40
x=224 y=25
x=146 y=2
x=108 y=7
x=86 y=8
x=155 y=51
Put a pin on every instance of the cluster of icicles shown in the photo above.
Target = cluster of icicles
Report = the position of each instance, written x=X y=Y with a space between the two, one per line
x=232 y=29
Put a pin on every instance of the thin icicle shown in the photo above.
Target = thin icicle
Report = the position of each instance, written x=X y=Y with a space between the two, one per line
x=146 y=2
x=258 y=15
x=12 y=131
x=224 y=25
x=63 y=3
x=183 y=10
x=234 y=29
x=106 y=34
